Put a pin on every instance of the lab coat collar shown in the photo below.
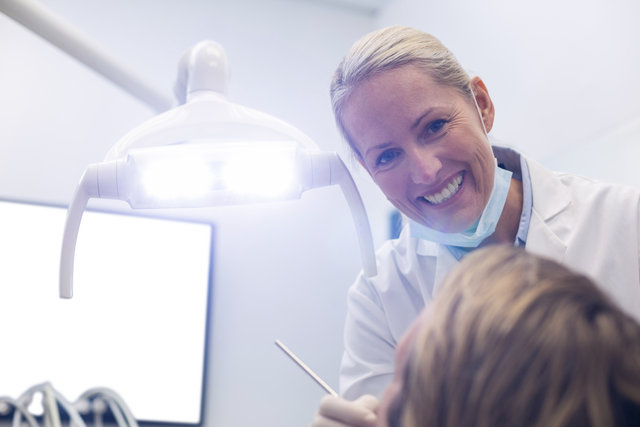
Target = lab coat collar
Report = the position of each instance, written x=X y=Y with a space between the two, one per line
x=550 y=197
x=425 y=247
x=543 y=241
x=446 y=261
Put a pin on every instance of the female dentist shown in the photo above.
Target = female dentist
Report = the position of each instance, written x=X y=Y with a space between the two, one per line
x=418 y=124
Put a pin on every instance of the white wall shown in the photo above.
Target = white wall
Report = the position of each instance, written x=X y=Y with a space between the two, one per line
x=559 y=72
x=281 y=270
x=611 y=155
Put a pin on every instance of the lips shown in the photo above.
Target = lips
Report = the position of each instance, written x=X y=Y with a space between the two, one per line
x=447 y=192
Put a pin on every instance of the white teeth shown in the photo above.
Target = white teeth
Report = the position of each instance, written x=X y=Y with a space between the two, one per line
x=448 y=191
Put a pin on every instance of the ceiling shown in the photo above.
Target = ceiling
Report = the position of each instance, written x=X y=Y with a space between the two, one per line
x=371 y=7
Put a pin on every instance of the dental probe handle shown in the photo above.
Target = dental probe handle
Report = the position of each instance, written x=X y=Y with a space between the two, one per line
x=307 y=369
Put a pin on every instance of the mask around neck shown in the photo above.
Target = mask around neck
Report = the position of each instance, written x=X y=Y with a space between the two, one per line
x=484 y=226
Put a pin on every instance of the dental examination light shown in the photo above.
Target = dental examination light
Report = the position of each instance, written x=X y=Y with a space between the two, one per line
x=210 y=152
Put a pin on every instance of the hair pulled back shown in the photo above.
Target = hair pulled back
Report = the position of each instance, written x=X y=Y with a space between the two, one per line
x=388 y=49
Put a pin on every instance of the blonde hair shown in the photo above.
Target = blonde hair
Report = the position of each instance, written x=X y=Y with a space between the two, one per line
x=517 y=340
x=388 y=49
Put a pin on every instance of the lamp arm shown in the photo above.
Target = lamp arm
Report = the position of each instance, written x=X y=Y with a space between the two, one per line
x=57 y=31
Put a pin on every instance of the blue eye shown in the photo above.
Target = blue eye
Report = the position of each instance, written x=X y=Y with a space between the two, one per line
x=436 y=126
x=386 y=157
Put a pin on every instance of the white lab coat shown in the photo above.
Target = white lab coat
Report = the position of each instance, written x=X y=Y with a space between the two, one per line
x=587 y=225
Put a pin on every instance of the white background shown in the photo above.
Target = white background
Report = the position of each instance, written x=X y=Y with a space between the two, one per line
x=563 y=76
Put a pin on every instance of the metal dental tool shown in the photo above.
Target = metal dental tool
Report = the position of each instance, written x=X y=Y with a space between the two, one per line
x=307 y=369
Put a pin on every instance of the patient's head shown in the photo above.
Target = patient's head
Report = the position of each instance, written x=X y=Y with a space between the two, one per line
x=516 y=340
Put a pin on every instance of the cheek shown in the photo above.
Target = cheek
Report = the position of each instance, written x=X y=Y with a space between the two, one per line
x=391 y=184
x=486 y=177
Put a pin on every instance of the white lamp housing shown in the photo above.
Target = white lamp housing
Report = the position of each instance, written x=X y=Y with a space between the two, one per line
x=209 y=152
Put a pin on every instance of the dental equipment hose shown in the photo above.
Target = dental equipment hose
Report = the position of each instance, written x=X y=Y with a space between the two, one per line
x=121 y=412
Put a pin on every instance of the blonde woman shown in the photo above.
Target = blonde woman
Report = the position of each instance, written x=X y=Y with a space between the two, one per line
x=418 y=124
x=513 y=339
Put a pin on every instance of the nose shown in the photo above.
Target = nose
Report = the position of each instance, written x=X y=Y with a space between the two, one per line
x=423 y=166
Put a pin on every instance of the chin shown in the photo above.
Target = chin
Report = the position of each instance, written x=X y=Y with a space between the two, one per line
x=452 y=225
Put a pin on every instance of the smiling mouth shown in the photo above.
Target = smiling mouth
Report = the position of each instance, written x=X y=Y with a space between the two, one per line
x=448 y=192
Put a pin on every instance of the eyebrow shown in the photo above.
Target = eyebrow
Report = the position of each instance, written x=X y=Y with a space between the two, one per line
x=377 y=147
x=415 y=125
x=426 y=113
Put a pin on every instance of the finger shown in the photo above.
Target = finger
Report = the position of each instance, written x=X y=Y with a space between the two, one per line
x=320 y=421
x=348 y=413
x=368 y=401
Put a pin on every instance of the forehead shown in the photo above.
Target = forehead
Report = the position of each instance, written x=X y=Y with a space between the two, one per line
x=402 y=87
x=391 y=102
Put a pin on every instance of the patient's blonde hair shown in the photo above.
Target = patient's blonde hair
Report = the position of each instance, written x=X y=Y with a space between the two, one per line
x=517 y=340
x=388 y=49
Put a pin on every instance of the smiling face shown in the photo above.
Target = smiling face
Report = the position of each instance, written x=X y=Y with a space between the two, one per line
x=424 y=146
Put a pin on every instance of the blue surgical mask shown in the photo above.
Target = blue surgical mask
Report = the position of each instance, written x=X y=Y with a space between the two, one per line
x=482 y=228
x=486 y=224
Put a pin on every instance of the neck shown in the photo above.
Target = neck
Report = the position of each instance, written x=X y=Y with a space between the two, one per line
x=509 y=222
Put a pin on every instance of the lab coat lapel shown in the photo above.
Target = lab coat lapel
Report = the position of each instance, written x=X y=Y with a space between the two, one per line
x=550 y=197
x=446 y=262
x=543 y=241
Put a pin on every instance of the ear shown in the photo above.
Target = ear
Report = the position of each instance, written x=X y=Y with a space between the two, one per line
x=484 y=102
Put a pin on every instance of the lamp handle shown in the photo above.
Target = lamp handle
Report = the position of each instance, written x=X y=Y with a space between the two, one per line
x=87 y=188
x=329 y=169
